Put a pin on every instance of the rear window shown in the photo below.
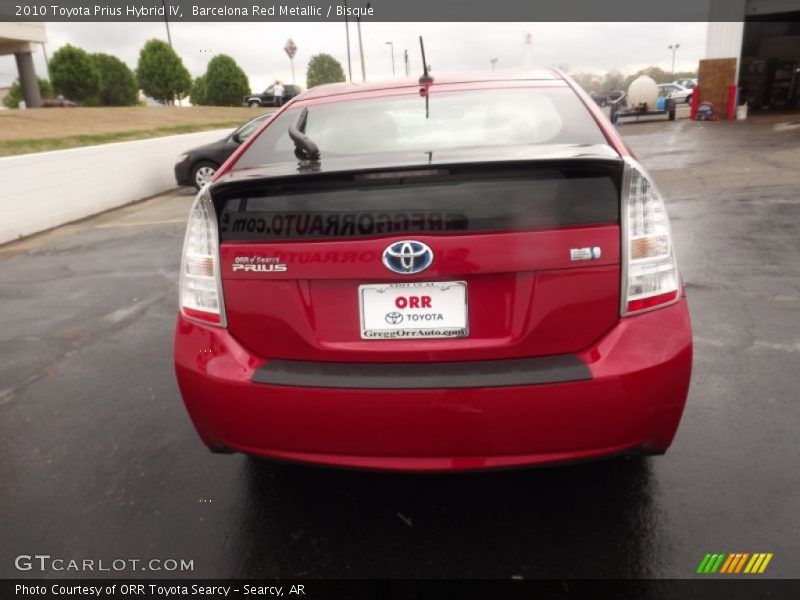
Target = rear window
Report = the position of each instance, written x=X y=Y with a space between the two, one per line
x=246 y=130
x=466 y=200
x=476 y=118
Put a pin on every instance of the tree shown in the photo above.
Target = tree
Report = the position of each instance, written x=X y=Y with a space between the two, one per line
x=160 y=72
x=588 y=81
x=74 y=74
x=14 y=96
x=654 y=73
x=686 y=75
x=614 y=80
x=199 y=91
x=117 y=83
x=323 y=68
x=225 y=82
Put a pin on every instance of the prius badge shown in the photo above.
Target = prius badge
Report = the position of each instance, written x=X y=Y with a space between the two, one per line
x=407 y=257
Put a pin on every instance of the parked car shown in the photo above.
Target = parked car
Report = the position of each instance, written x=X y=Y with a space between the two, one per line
x=434 y=277
x=197 y=166
x=615 y=96
x=267 y=97
x=672 y=91
x=689 y=84
x=606 y=98
x=57 y=103
x=598 y=97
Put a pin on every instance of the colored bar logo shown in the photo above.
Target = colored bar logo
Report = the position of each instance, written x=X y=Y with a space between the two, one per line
x=736 y=562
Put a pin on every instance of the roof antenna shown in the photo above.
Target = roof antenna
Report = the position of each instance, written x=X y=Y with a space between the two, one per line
x=425 y=80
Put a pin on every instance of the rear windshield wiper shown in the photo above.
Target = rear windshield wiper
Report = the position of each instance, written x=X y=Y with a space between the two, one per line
x=304 y=147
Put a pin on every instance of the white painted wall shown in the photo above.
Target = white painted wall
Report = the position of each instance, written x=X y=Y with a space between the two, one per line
x=48 y=189
x=725 y=30
x=724 y=39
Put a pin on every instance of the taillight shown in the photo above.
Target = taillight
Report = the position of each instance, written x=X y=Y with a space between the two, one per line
x=650 y=275
x=201 y=285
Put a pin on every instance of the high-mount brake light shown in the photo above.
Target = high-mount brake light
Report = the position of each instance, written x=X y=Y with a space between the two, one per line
x=649 y=272
x=201 y=296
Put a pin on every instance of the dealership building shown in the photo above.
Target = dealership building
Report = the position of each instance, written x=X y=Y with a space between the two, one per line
x=19 y=39
x=755 y=45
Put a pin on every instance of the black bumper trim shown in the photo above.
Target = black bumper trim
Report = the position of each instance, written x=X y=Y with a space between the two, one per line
x=414 y=376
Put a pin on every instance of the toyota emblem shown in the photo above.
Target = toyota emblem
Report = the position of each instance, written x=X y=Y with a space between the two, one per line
x=407 y=257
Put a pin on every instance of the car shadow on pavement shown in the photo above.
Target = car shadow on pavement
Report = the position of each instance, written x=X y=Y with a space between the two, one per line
x=589 y=520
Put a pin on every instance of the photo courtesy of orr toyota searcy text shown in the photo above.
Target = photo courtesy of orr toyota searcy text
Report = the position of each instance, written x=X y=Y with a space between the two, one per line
x=158 y=591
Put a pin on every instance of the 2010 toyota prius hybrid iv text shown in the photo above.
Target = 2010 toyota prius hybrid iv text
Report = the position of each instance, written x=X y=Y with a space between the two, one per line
x=462 y=273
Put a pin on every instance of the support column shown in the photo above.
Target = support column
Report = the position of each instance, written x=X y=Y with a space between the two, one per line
x=28 y=80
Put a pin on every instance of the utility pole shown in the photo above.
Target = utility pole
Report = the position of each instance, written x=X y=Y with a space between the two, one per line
x=494 y=62
x=169 y=37
x=674 y=48
x=405 y=60
x=391 y=45
x=166 y=22
x=361 y=48
x=347 y=35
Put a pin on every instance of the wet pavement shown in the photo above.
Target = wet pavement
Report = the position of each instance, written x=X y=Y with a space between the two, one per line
x=98 y=458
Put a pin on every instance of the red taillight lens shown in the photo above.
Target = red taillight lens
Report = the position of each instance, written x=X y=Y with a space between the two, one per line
x=201 y=286
x=650 y=274
x=651 y=301
x=201 y=315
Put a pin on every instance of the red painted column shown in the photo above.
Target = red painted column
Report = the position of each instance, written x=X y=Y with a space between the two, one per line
x=695 y=102
x=732 y=89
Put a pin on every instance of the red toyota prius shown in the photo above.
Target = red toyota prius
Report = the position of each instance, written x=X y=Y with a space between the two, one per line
x=464 y=273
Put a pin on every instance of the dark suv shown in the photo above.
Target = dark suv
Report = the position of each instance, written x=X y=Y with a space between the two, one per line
x=267 y=97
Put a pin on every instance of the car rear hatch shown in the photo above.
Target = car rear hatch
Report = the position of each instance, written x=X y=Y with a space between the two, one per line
x=525 y=257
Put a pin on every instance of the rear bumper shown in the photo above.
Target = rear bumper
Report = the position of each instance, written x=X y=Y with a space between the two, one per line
x=640 y=372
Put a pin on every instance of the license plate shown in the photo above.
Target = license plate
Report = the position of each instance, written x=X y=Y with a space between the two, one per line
x=413 y=310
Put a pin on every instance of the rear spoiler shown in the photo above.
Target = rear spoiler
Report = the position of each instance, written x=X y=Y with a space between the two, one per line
x=347 y=168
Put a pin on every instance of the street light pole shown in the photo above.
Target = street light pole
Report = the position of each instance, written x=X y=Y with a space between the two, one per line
x=361 y=48
x=674 y=48
x=493 y=61
x=166 y=22
x=347 y=35
x=391 y=44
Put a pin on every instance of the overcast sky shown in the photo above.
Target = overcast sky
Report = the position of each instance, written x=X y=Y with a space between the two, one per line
x=257 y=47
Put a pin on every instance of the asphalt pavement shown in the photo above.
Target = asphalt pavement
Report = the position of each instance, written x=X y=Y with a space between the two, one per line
x=98 y=458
